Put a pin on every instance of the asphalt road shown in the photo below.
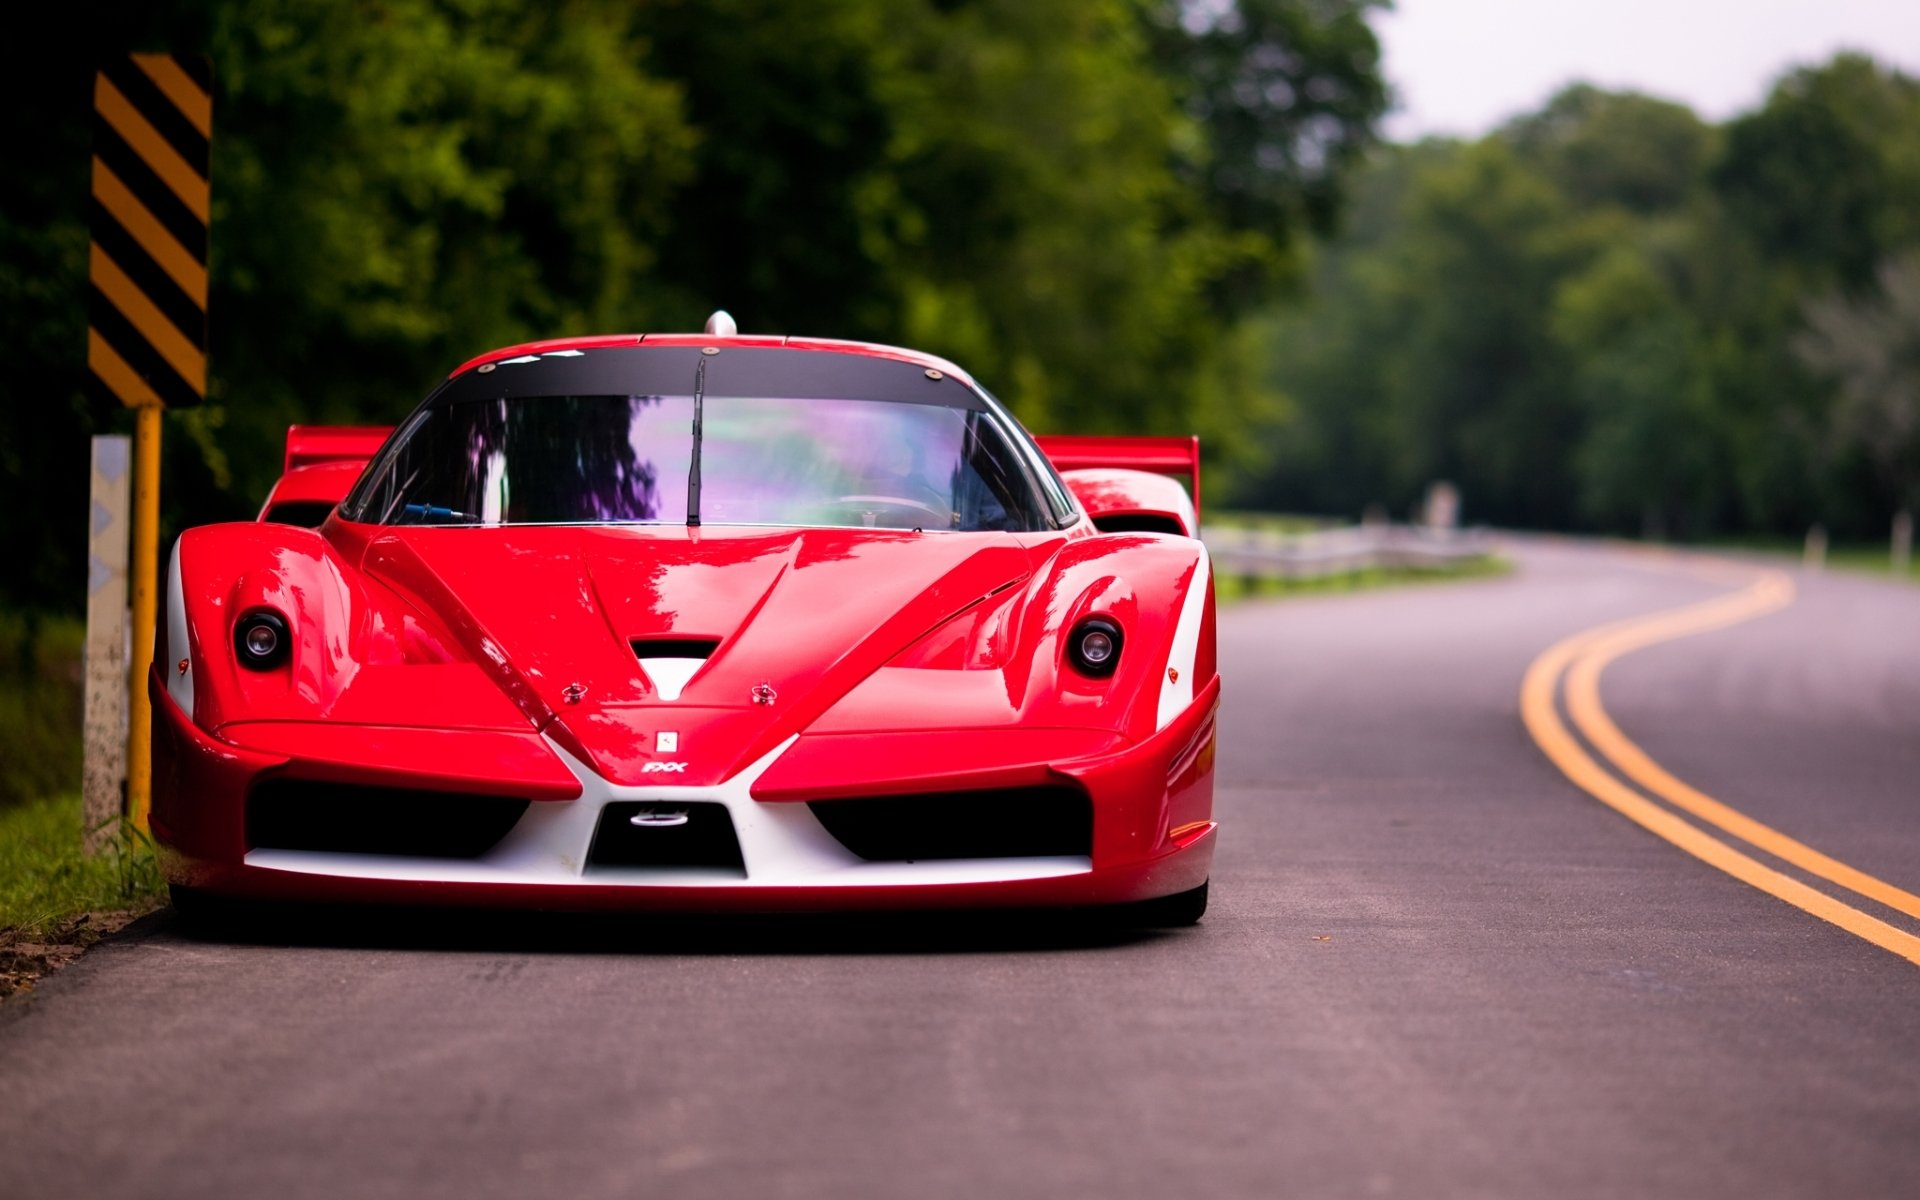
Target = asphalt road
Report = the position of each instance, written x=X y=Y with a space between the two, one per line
x=1434 y=967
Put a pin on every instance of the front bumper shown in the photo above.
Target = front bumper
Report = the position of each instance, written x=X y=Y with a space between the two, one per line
x=1152 y=837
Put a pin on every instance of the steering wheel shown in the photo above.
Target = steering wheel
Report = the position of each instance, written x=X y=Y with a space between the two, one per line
x=918 y=506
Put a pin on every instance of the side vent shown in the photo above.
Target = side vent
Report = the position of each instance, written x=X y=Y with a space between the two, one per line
x=671 y=662
x=1138 y=523
x=306 y=513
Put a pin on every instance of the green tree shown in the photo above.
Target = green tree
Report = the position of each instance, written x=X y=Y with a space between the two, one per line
x=396 y=194
x=1652 y=451
x=1285 y=96
x=1611 y=315
x=1641 y=153
x=1870 y=347
x=395 y=187
x=1810 y=193
x=1824 y=176
x=1337 y=443
x=1078 y=199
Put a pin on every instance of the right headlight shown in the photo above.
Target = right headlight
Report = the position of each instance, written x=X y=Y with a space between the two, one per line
x=1094 y=646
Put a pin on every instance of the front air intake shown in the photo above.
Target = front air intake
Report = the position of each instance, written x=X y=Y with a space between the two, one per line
x=335 y=818
x=1031 y=822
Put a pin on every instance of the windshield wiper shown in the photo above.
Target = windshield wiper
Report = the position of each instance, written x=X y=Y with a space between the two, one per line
x=433 y=514
x=693 y=469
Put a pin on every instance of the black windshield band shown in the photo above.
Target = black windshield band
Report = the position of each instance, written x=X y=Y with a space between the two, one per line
x=752 y=371
x=572 y=386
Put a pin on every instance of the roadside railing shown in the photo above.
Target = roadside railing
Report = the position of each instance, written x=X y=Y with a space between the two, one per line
x=1254 y=552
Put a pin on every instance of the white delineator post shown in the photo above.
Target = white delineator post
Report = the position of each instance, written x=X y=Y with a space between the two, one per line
x=1441 y=512
x=104 y=774
x=1814 y=557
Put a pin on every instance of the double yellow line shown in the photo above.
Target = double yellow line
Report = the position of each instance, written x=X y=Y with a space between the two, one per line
x=1571 y=670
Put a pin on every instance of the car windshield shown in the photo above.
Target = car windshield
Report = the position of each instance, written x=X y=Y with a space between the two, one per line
x=764 y=461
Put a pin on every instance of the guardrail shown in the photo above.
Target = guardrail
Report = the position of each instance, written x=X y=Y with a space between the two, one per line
x=1265 y=553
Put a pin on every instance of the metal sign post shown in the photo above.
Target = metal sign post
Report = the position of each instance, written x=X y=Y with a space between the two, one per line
x=147 y=305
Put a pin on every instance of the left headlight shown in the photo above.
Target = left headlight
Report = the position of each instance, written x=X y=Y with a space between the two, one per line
x=260 y=639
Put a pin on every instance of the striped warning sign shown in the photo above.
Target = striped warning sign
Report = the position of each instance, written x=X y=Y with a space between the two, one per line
x=147 y=267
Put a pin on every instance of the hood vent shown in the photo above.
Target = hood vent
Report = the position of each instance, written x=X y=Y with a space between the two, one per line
x=671 y=662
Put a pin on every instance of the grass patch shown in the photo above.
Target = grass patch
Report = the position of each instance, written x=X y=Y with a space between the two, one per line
x=1866 y=558
x=45 y=878
x=1876 y=561
x=1229 y=588
x=55 y=901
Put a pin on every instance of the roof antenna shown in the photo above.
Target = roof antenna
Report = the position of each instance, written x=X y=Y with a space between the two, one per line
x=720 y=324
x=693 y=468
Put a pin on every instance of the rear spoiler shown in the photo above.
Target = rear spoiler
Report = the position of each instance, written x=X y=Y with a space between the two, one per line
x=311 y=445
x=323 y=463
x=1159 y=455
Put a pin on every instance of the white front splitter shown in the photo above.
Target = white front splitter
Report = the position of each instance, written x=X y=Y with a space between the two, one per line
x=783 y=845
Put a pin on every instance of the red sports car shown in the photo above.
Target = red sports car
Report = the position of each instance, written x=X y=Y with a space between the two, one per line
x=702 y=622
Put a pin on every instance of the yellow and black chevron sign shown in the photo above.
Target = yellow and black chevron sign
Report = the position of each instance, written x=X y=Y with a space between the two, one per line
x=147 y=267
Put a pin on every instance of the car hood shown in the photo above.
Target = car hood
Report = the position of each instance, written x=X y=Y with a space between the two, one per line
x=797 y=618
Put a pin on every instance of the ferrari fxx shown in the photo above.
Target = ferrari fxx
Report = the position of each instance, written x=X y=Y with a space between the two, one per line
x=697 y=622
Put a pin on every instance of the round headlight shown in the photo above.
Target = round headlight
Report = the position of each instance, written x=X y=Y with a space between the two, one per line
x=1094 y=646
x=260 y=639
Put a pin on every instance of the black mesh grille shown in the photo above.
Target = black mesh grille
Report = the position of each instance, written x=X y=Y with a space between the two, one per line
x=294 y=814
x=1004 y=823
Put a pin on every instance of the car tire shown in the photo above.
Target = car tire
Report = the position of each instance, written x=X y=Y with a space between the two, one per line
x=1169 y=912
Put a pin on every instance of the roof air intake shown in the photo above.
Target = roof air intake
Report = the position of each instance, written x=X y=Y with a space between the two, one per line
x=671 y=662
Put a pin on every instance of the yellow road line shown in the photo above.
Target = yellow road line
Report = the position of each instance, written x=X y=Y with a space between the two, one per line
x=1589 y=653
x=1591 y=719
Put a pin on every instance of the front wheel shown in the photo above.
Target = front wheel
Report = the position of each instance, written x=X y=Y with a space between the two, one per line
x=1168 y=912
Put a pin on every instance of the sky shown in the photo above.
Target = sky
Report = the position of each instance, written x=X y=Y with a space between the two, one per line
x=1462 y=67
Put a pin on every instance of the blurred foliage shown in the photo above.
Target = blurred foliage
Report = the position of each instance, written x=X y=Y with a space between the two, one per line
x=1871 y=345
x=1082 y=201
x=41 y=691
x=1611 y=315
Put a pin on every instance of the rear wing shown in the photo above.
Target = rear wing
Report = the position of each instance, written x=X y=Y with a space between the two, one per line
x=323 y=463
x=1158 y=455
x=310 y=445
